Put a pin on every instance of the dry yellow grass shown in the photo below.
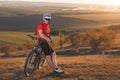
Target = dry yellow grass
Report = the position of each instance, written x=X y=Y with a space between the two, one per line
x=88 y=67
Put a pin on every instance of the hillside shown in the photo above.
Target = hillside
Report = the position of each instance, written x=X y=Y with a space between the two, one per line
x=76 y=57
x=13 y=38
x=88 y=67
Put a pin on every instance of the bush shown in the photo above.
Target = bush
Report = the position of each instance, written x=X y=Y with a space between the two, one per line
x=99 y=39
x=22 y=48
x=6 y=49
x=29 y=44
x=61 y=39
x=74 y=38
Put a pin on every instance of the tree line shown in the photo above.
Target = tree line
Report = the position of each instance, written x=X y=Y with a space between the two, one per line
x=98 y=40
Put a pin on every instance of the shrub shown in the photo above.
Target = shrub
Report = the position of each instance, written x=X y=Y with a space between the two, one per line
x=6 y=49
x=22 y=48
x=75 y=38
x=29 y=44
x=61 y=39
x=99 y=39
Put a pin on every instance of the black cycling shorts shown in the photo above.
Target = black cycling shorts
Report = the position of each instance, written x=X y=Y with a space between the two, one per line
x=46 y=48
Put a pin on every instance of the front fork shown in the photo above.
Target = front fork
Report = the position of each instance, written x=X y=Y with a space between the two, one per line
x=38 y=58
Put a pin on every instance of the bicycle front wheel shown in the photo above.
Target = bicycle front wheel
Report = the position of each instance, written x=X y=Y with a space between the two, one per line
x=41 y=60
x=30 y=64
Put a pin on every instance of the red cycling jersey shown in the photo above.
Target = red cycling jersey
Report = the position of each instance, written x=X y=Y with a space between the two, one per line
x=45 y=27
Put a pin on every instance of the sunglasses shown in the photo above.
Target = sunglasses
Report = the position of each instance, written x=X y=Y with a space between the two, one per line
x=47 y=19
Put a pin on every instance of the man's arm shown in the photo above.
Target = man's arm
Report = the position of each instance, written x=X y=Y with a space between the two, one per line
x=44 y=36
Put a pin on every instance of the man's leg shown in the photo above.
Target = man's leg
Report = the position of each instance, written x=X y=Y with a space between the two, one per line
x=50 y=62
x=54 y=59
x=51 y=58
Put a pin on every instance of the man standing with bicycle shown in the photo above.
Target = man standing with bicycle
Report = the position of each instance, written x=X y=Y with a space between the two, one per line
x=43 y=32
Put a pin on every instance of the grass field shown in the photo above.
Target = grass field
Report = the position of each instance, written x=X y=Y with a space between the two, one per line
x=19 y=38
x=13 y=38
x=88 y=67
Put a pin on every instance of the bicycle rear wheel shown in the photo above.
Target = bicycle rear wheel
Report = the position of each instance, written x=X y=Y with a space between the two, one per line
x=30 y=64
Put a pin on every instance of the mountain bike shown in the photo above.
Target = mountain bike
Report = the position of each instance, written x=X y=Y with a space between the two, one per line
x=35 y=58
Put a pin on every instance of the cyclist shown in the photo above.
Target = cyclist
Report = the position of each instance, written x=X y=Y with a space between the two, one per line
x=43 y=32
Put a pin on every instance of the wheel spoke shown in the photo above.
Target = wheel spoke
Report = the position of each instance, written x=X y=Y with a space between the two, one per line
x=30 y=63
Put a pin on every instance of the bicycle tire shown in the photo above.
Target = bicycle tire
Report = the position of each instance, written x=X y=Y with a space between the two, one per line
x=28 y=70
x=41 y=60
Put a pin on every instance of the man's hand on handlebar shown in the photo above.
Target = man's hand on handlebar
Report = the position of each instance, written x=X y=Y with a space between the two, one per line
x=49 y=40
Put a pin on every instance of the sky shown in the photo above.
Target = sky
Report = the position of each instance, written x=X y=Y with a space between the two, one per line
x=104 y=2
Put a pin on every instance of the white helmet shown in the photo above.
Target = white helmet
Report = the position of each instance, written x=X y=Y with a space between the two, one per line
x=47 y=16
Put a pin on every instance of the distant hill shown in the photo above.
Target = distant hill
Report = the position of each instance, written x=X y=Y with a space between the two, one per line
x=29 y=23
x=115 y=27
x=25 y=16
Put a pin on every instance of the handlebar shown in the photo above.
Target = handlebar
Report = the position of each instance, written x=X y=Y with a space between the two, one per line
x=35 y=38
x=32 y=37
